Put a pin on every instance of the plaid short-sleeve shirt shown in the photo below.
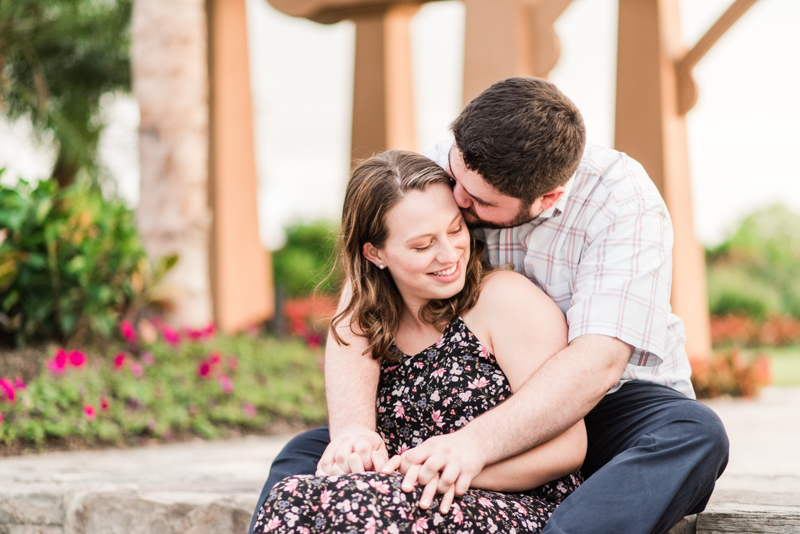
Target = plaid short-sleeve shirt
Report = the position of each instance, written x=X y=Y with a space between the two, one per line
x=603 y=253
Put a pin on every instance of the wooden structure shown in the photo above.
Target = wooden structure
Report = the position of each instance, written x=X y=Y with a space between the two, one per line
x=504 y=38
x=241 y=272
x=655 y=89
x=198 y=185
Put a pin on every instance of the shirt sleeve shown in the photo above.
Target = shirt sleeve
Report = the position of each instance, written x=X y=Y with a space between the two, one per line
x=624 y=279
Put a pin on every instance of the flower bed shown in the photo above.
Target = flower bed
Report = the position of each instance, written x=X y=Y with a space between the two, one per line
x=163 y=384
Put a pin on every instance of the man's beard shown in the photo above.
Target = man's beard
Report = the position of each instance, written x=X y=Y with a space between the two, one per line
x=473 y=221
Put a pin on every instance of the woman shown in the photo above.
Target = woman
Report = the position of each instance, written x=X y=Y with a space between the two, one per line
x=454 y=341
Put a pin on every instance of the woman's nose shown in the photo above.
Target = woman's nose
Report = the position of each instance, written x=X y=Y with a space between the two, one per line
x=448 y=253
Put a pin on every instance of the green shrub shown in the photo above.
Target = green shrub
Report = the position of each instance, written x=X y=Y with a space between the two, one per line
x=757 y=271
x=307 y=259
x=66 y=262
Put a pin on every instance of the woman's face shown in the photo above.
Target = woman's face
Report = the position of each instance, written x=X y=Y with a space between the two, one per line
x=427 y=250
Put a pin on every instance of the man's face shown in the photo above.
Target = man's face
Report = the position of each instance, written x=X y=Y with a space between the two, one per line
x=481 y=204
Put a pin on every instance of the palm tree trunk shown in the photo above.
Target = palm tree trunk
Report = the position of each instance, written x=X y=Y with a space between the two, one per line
x=170 y=81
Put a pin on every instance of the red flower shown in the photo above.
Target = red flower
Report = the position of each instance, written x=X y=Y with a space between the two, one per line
x=204 y=369
x=77 y=358
x=7 y=389
x=127 y=330
x=136 y=369
x=171 y=336
x=148 y=358
x=215 y=358
x=88 y=411
x=1 y=419
x=103 y=403
x=226 y=384
x=119 y=361
x=58 y=363
x=233 y=363
x=19 y=384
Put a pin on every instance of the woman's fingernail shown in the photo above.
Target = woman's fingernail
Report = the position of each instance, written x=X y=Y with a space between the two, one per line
x=424 y=504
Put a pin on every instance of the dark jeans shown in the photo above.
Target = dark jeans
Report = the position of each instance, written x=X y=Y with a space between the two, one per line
x=653 y=457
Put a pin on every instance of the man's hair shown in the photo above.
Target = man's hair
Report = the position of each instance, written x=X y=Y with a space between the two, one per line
x=523 y=136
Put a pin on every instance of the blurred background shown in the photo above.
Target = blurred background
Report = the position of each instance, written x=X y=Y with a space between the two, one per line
x=154 y=151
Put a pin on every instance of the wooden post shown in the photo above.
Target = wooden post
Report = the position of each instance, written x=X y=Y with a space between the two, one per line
x=654 y=92
x=241 y=269
x=383 y=100
x=505 y=38
x=383 y=97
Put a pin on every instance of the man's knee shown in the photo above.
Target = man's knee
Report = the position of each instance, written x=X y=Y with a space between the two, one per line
x=700 y=429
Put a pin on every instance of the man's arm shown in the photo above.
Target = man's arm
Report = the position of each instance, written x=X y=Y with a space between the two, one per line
x=351 y=385
x=559 y=394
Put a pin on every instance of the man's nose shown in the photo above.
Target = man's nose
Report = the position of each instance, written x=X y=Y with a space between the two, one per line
x=463 y=200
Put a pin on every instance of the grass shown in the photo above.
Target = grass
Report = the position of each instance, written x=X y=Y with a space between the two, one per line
x=785 y=364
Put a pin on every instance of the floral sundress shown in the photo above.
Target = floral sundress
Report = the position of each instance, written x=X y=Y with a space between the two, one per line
x=436 y=391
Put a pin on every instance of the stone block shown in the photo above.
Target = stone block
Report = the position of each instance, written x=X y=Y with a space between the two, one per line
x=31 y=508
x=30 y=529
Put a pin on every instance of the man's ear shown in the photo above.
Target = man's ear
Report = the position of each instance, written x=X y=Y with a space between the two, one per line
x=372 y=254
x=547 y=200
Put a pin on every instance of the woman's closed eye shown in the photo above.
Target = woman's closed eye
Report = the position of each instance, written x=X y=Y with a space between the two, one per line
x=457 y=230
x=423 y=248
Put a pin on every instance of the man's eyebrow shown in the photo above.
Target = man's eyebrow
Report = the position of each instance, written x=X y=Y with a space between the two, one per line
x=477 y=200
x=410 y=239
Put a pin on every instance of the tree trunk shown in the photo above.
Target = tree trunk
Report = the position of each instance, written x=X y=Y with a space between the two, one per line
x=170 y=81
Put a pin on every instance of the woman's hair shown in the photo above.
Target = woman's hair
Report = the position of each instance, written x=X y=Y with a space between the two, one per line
x=376 y=186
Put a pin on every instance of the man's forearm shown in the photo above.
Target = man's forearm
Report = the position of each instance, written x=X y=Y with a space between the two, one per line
x=557 y=396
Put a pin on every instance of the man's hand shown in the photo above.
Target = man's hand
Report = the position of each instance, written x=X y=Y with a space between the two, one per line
x=452 y=459
x=356 y=449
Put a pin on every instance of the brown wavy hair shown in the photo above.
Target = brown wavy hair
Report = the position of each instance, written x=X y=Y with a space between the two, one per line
x=376 y=185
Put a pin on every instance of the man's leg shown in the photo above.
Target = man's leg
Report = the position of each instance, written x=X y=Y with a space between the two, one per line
x=653 y=457
x=299 y=457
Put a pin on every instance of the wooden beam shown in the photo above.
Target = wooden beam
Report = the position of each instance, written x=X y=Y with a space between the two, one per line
x=687 y=87
x=241 y=277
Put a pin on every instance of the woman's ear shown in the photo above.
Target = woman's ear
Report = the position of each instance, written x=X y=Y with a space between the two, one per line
x=373 y=255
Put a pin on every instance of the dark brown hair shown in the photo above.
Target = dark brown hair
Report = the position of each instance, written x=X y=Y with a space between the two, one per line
x=523 y=136
x=376 y=186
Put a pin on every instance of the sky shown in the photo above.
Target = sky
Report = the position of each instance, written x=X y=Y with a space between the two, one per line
x=743 y=133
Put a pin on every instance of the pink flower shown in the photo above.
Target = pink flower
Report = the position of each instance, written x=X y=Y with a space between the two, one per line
x=436 y=415
x=7 y=389
x=88 y=411
x=226 y=384
x=1 y=419
x=136 y=369
x=351 y=517
x=325 y=498
x=19 y=384
x=103 y=403
x=291 y=486
x=77 y=358
x=248 y=410
x=478 y=383
x=215 y=358
x=380 y=487
x=204 y=369
x=171 y=336
x=119 y=361
x=233 y=363
x=127 y=330
x=58 y=363
x=420 y=525
x=313 y=341
x=148 y=358
x=274 y=523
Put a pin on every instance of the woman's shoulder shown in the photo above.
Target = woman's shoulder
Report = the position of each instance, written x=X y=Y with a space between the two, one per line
x=508 y=286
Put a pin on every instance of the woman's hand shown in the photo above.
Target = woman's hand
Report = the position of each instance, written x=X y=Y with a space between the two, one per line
x=356 y=449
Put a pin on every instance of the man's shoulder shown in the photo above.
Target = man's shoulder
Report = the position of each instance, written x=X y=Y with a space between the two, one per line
x=609 y=173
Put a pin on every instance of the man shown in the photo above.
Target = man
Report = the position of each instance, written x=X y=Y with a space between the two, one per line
x=587 y=226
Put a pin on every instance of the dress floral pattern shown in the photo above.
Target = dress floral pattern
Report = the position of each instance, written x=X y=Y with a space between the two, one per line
x=434 y=392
